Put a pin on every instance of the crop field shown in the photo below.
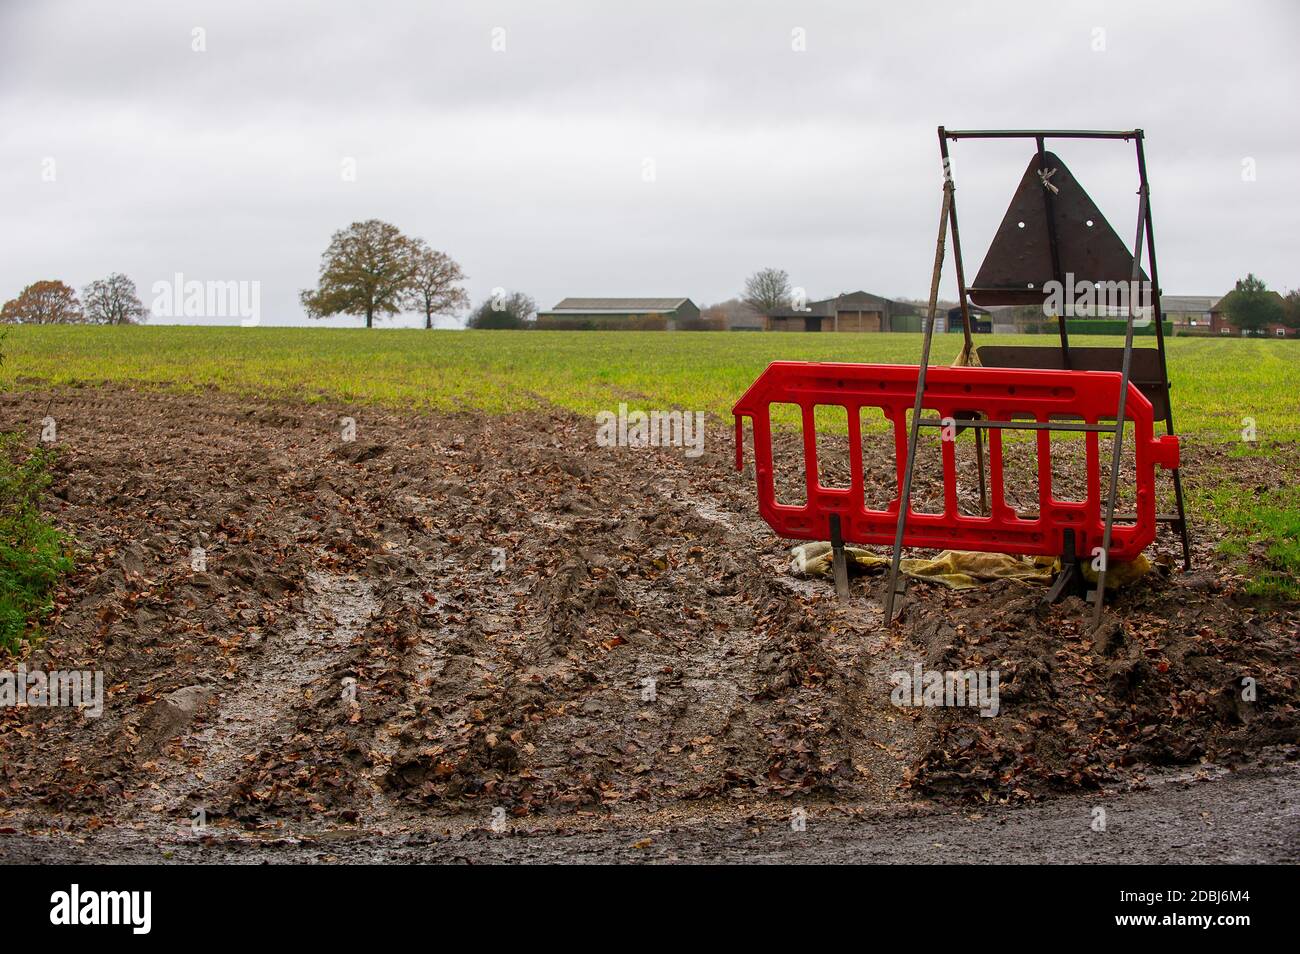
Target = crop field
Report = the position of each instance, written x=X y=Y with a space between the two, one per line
x=1215 y=383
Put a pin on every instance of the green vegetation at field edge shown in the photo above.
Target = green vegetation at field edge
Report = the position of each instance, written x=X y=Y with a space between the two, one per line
x=1267 y=524
x=33 y=553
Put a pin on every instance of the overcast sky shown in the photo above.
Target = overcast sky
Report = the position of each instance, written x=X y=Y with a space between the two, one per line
x=631 y=148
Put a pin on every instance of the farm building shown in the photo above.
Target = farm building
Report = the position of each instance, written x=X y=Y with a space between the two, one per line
x=1189 y=314
x=628 y=314
x=853 y=311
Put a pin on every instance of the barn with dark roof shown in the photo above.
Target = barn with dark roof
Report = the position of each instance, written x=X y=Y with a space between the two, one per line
x=633 y=314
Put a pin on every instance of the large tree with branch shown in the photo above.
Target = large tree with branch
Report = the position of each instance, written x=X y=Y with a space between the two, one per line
x=365 y=271
x=434 y=287
x=113 y=301
x=44 y=303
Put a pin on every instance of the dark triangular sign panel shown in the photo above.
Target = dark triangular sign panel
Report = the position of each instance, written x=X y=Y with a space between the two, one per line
x=1019 y=262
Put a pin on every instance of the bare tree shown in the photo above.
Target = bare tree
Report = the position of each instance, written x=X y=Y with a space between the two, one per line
x=515 y=310
x=434 y=284
x=44 y=303
x=113 y=301
x=365 y=271
x=768 y=289
x=732 y=313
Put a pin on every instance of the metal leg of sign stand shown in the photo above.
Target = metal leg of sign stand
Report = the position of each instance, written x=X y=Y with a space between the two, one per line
x=905 y=498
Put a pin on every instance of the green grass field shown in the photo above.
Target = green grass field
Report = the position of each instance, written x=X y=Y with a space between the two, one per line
x=1216 y=383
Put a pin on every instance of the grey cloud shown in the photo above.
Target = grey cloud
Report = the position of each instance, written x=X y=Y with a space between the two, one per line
x=526 y=165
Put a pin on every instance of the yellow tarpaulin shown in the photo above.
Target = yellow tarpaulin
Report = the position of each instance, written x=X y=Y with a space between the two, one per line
x=960 y=569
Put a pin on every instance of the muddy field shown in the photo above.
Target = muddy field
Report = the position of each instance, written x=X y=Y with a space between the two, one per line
x=468 y=622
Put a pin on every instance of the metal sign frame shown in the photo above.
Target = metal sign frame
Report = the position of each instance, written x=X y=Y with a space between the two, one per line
x=1145 y=238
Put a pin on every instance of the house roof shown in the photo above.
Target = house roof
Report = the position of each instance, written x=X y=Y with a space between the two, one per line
x=857 y=299
x=1187 y=302
x=620 y=306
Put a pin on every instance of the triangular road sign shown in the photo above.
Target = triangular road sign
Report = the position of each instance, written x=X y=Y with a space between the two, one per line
x=1019 y=261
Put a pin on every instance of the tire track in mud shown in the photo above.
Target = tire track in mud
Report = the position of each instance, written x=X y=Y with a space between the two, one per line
x=605 y=615
x=704 y=682
x=876 y=735
x=765 y=674
x=448 y=660
x=253 y=712
x=882 y=735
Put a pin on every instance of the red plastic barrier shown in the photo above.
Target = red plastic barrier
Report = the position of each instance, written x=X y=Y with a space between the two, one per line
x=998 y=394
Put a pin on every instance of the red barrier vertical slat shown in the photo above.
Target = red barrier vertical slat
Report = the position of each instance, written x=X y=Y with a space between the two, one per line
x=949 y=454
x=809 y=449
x=997 y=495
x=763 y=453
x=1094 y=472
x=855 y=455
x=898 y=414
x=1044 y=474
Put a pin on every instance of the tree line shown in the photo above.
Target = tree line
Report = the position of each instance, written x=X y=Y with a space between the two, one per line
x=1251 y=305
x=369 y=270
x=107 y=301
